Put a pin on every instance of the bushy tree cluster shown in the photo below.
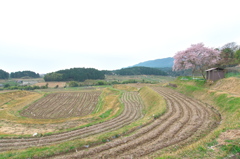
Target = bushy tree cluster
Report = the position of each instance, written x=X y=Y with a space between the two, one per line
x=21 y=74
x=230 y=54
x=4 y=74
x=53 y=77
x=140 y=71
x=73 y=84
x=75 y=74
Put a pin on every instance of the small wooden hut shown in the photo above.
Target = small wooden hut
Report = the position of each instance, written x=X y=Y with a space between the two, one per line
x=214 y=74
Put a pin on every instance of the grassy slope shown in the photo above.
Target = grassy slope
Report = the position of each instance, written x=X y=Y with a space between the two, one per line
x=229 y=107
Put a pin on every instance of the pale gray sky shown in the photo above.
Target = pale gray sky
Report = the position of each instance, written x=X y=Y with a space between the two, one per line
x=49 y=35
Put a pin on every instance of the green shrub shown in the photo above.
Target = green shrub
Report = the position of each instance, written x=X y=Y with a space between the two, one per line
x=73 y=84
x=101 y=83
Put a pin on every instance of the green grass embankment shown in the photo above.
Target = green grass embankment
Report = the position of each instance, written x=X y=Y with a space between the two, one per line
x=154 y=103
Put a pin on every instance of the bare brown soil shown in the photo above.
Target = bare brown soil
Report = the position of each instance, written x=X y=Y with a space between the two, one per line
x=185 y=119
x=133 y=108
x=228 y=135
x=63 y=105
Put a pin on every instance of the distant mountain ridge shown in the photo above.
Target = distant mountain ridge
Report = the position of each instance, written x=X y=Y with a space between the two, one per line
x=158 y=63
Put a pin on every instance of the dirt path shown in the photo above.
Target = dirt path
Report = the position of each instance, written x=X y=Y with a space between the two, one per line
x=186 y=118
x=133 y=108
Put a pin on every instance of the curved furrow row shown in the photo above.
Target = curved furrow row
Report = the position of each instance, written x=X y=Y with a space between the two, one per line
x=184 y=118
x=186 y=132
x=165 y=139
x=130 y=114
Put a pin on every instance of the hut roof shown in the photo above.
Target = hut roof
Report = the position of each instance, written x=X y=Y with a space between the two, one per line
x=216 y=68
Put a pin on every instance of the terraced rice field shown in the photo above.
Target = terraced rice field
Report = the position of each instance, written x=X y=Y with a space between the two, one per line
x=185 y=119
x=63 y=105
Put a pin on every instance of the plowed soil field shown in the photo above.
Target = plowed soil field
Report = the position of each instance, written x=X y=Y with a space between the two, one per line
x=63 y=105
x=186 y=118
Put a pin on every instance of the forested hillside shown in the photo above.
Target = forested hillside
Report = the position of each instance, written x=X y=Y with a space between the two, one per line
x=74 y=74
x=140 y=71
x=21 y=74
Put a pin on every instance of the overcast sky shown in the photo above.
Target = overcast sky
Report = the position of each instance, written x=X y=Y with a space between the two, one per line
x=48 y=35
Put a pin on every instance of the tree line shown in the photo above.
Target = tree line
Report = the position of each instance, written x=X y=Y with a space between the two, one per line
x=74 y=74
x=19 y=74
x=140 y=70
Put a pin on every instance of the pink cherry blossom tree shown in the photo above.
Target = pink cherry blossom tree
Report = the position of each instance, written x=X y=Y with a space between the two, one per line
x=197 y=57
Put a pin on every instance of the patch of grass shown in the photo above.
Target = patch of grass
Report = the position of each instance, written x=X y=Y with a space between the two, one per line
x=154 y=103
x=106 y=114
x=191 y=89
x=229 y=104
x=212 y=143
x=231 y=148
x=232 y=74
x=99 y=105
x=202 y=149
